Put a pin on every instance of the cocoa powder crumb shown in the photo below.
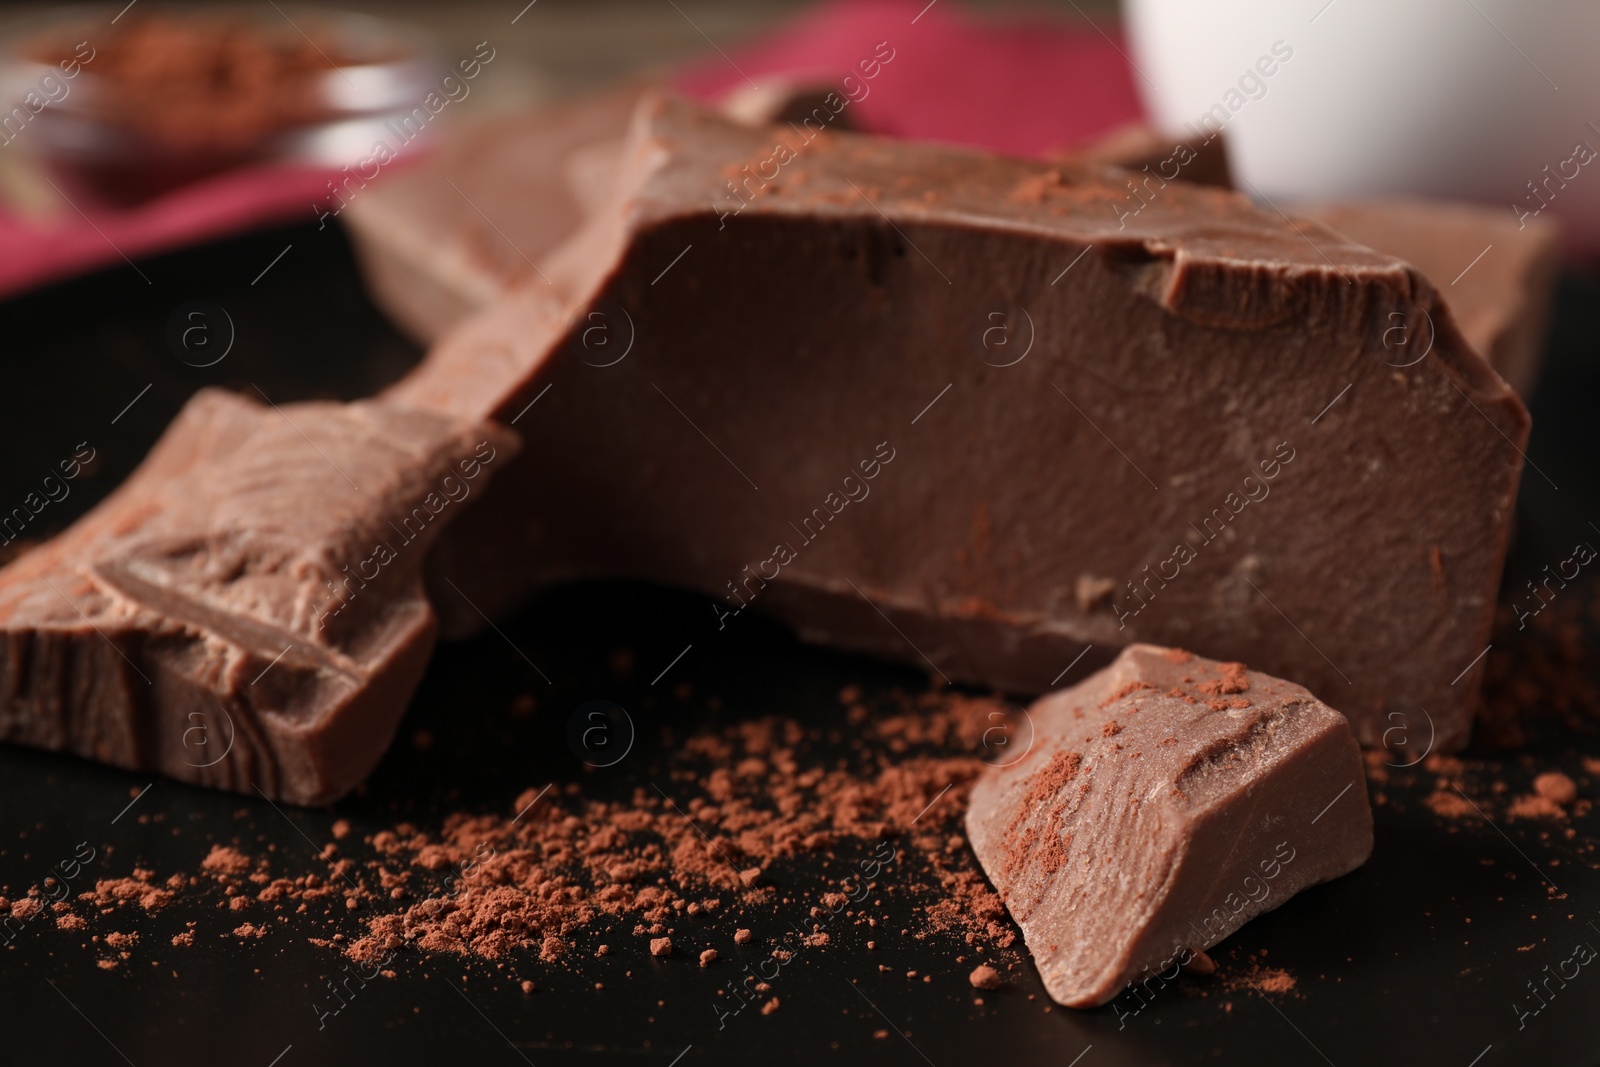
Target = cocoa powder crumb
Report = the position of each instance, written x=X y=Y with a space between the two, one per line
x=1450 y=805
x=742 y=937
x=708 y=957
x=1556 y=787
x=984 y=977
x=224 y=860
x=1233 y=680
x=1534 y=806
x=661 y=946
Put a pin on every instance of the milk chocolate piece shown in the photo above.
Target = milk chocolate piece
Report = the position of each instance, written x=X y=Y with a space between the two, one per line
x=1499 y=276
x=1165 y=802
x=432 y=254
x=781 y=99
x=1197 y=431
x=1143 y=148
x=246 y=610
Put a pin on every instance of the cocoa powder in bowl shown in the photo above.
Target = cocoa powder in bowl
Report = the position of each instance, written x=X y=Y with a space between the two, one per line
x=217 y=82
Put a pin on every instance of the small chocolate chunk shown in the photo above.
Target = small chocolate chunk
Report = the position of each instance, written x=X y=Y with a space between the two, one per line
x=1121 y=857
x=814 y=103
x=1157 y=158
x=245 y=611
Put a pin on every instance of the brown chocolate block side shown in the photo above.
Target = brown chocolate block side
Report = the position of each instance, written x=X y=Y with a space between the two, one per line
x=1164 y=802
x=1198 y=436
x=246 y=611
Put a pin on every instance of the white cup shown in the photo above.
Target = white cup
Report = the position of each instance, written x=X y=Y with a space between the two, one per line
x=1496 y=101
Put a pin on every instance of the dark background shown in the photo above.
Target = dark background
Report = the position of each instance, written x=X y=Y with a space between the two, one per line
x=1416 y=958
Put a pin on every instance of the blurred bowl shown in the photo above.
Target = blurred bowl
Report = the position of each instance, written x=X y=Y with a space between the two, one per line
x=184 y=113
x=1488 y=100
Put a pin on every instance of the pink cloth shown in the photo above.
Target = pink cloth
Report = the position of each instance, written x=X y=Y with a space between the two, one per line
x=1019 y=86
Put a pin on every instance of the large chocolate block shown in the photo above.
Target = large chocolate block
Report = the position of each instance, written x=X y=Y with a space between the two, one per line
x=969 y=412
x=1165 y=802
x=1195 y=424
x=246 y=610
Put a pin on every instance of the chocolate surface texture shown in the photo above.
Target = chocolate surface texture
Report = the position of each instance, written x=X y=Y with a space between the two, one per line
x=961 y=411
x=1499 y=276
x=1164 y=802
x=246 y=610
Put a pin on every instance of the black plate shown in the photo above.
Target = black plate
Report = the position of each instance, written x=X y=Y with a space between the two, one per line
x=1422 y=956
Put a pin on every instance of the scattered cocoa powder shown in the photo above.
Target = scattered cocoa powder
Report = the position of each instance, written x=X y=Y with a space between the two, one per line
x=584 y=862
x=1260 y=977
x=1534 y=806
x=1450 y=805
x=1274 y=980
x=224 y=860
